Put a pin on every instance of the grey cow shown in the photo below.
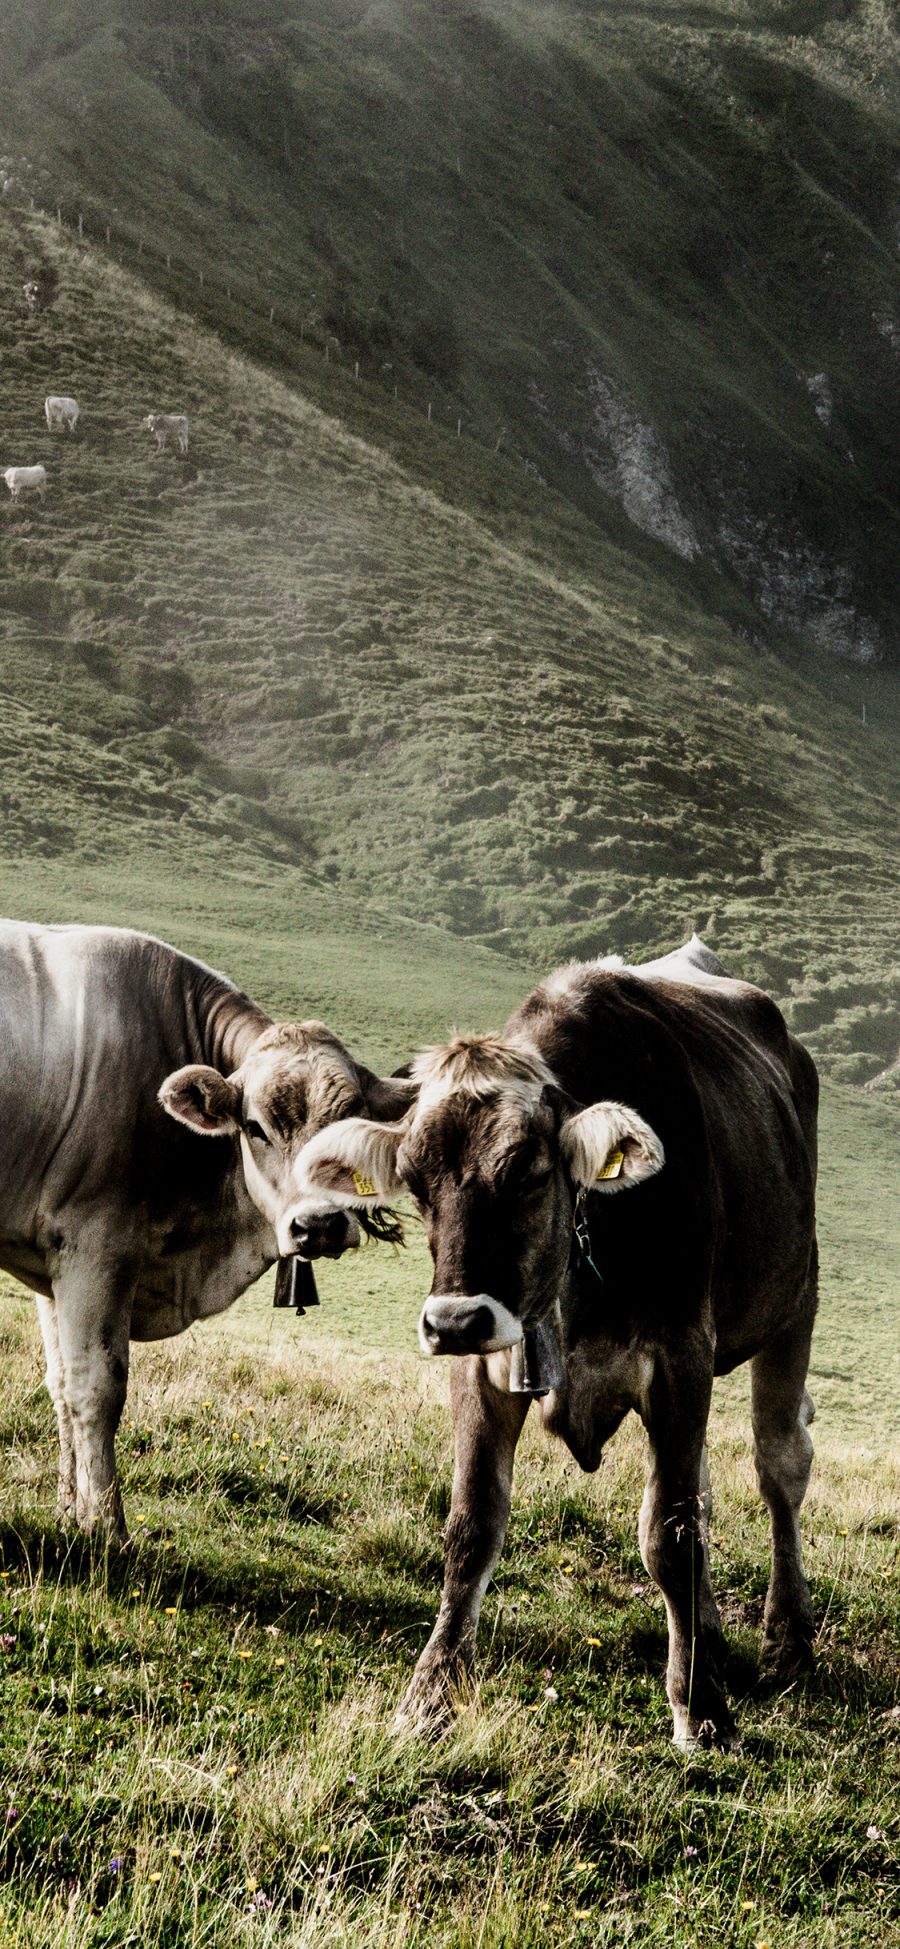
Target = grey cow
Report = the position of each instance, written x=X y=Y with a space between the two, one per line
x=162 y=425
x=618 y=1193
x=121 y=1060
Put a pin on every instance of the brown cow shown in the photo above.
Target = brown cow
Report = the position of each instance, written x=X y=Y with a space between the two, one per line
x=619 y=1198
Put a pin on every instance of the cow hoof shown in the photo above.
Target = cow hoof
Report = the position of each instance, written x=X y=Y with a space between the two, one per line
x=421 y=1723
x=106 y=1526
x=430 y=1705
x=423 y=1718
x=787 y=1653
x=692 y=1735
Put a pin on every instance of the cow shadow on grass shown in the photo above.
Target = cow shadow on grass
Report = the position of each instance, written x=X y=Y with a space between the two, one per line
x=639 y=1651
x=239 y=1488
x=37 y=1549
x=41 y=1550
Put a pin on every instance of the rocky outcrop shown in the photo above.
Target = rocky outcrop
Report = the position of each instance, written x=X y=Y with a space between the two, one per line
x=819 y=389
x=631 y=463
x=720 y=514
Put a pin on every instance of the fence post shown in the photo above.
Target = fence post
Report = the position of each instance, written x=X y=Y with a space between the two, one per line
x=429 y=412
x=356 y=369
x=168 y=260
x=59 y=216
x=80 y=224
x=395 y=391
x=108 y=238
x=458 y=428
x=201 y=278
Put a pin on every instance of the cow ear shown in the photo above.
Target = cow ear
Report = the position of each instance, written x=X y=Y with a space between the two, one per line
x=353 y=1162
x=387 y=1098
x=608 y=1147
x=204 y=1100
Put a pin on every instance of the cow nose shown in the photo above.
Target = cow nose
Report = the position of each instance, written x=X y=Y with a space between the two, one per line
x=461 y=1324
x=456 y=1326
x=319 y=1237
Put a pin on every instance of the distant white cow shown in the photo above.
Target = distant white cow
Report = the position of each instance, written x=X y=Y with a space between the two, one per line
x=61 y=411
x=162 y=424
x=32 y=294
x=26 y=480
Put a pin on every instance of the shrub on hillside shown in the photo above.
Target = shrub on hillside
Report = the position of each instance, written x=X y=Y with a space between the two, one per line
x=434 y=345
x=165 y=688
x=364 y=330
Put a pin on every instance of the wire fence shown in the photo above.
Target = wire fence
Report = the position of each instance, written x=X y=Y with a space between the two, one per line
x=275 y=322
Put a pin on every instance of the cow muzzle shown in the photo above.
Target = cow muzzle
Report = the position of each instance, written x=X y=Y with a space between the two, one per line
x=318 y=1235
x=455 y=1323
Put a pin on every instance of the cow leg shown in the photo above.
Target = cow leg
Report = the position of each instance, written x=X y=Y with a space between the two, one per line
x=487 y=1423
x=709 y=1609
x=673 y=1532
x=782 y=1410
x=93 y=1316
x=705 y=1496
x=56 y=1388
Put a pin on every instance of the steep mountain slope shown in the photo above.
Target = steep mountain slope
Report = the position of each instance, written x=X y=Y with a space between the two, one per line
x=282 y=656
x=654 y=249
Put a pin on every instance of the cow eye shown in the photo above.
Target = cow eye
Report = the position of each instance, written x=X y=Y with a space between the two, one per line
x=256 y=1133
x=538 y=1182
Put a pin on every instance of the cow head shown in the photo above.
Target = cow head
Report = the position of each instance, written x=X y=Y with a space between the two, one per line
x=296 y=1079
x=494 y=1155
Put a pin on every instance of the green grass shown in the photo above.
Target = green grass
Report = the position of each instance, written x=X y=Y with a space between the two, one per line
x=211 y=1710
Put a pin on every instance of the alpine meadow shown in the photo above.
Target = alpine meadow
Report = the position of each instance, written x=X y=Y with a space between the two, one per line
x=528 y=590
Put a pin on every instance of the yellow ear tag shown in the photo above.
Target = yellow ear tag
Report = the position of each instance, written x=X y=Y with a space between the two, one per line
x=612 y=1167
x=364 y=1186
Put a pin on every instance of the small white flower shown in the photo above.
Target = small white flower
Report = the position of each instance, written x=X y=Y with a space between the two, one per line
x=873 y=1833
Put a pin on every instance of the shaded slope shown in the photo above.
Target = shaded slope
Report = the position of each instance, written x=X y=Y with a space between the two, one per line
x=653 y=249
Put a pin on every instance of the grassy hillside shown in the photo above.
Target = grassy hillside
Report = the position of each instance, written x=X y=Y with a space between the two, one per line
x=286 y=655
x=651 y=249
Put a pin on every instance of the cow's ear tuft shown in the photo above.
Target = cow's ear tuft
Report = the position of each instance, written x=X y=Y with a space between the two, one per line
x=204 y=1100
x=608 y=1147
x=353 y=1162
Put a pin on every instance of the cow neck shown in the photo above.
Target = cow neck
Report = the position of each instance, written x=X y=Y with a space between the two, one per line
x=227 y=1023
